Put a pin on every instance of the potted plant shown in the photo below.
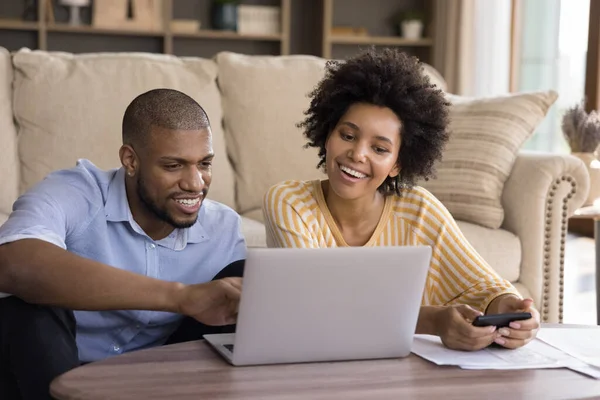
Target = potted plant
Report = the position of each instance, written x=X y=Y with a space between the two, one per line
x=582 y=132
x=410 y=24
x=224 y=14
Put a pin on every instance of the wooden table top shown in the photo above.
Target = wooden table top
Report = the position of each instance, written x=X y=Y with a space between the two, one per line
x=193 y=370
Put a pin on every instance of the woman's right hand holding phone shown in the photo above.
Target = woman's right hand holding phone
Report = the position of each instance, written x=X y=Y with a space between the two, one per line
x=454 y=325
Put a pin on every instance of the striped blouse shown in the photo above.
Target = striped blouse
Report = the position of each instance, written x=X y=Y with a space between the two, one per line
x=296 y=215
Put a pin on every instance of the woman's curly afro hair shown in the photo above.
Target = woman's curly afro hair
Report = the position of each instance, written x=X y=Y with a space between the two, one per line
x=391 y=79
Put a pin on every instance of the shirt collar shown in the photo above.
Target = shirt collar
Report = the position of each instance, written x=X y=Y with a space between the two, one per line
x=117 y=210
x=117 y=207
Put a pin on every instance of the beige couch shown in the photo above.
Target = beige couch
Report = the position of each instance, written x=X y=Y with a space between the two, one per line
x=56 y=108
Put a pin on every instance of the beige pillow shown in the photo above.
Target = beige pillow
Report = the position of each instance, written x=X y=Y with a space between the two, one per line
x=9 y=165
x=486 y=135
x=264 y=97
x=71 y=106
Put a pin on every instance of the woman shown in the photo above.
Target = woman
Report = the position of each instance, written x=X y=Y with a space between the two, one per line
x=380 y=125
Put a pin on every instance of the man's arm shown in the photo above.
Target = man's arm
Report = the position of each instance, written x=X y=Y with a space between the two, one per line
x=40 y=272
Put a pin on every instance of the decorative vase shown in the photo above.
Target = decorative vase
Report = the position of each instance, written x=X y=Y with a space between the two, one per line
x=411 y=29
x=593 y=166
x=224 y=16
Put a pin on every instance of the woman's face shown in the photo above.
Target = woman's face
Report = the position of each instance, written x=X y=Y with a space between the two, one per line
x=362 y=150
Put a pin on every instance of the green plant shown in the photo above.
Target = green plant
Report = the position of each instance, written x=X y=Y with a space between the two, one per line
x=410 y=15
x=581 y=129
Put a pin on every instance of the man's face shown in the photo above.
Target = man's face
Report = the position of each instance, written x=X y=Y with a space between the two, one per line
x=175 y=171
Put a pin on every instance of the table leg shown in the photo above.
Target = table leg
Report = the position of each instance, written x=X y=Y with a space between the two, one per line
x=597 y=241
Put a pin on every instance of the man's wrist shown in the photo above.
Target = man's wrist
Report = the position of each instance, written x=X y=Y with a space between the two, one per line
x=173 y=297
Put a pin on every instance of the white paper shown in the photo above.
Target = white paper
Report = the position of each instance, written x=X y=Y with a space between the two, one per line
x=581 y=343
x=535 y=355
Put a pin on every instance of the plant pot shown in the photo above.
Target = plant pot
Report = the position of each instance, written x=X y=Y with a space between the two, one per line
x=411 y=29
x=593 y=166
x=224 y=16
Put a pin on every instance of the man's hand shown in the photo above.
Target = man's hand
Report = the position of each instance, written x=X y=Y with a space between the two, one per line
x=212 y=303
x=519 y=333
x=454 y=326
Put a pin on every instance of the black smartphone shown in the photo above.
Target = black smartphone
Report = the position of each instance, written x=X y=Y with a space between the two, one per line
x=500 y=320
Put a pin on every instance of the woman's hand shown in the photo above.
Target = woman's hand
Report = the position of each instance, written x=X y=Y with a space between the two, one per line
x=454 y=325
x=519 y=333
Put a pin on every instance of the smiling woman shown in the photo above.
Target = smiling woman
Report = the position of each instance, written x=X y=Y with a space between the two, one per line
x=380 y=126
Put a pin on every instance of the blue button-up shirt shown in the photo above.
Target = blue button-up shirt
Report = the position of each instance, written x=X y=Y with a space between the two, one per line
x=85 y=211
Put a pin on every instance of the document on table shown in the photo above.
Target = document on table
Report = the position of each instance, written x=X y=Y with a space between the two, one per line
x=535 y=355
x=581 y=343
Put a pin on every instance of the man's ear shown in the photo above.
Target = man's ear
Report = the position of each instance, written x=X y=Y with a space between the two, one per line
x=129 y=159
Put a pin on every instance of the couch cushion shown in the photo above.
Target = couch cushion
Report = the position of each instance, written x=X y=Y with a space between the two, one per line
x=486 y=135
x=264 y=97
x=71 y=106
x=9 y=165
x=254 y=232
x=501 y=249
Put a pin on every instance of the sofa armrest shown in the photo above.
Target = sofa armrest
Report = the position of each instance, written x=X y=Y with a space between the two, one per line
x=543 y=190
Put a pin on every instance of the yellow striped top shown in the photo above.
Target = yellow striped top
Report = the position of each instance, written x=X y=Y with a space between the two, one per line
x=296 y=215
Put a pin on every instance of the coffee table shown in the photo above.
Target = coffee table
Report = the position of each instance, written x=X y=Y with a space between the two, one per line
x=193 y=370
x=580 y=217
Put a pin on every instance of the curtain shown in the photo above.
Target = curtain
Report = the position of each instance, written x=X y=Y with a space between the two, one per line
x=454 y=33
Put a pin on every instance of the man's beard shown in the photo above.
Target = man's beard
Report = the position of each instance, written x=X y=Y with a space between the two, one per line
x=162 y=214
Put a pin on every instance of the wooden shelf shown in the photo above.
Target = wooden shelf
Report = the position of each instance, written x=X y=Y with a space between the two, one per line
x=380 y=40
x=103 y=31
x=18 y=25
x=214 y=34
x=345 y=32
x=167 y=36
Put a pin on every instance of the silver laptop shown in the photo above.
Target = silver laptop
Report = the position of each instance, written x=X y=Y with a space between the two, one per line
x=328 y=304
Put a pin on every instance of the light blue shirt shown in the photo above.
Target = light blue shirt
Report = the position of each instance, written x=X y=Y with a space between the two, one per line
x=85 y=211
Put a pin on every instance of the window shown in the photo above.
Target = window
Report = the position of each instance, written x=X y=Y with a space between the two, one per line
x=550 y=48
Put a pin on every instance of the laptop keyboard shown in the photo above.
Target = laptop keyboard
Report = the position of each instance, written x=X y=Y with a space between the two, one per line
x=229 y=347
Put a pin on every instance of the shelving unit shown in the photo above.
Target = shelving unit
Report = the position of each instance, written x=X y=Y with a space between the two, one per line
x=168 y=37
x=306 y=28
x=377 y=21
x=379 y=40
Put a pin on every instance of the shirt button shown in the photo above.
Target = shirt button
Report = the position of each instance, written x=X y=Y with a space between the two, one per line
x=151 y=245
x=116 y=348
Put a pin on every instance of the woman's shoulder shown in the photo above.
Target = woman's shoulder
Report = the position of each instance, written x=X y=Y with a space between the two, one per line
x=417 y=197
x=286 y=190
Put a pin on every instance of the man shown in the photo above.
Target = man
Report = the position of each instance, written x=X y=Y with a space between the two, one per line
x=131 y=250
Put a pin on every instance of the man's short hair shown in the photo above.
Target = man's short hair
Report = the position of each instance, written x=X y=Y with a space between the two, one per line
x=164 y=108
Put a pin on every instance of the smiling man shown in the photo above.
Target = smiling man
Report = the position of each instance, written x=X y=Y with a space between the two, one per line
x=98 y=263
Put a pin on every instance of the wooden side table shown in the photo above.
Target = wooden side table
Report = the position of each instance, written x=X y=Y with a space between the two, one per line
x=586 y=221
x=193 y=370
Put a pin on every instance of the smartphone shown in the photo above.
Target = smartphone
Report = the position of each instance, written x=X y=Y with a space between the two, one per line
x=500 y=320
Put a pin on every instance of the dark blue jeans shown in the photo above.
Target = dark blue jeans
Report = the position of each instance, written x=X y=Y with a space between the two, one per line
x=37 y=343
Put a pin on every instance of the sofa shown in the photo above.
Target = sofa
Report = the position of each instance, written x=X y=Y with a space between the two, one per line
x=56 y=108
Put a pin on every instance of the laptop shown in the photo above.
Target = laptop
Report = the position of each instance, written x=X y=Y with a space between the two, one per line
x=327 y=304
